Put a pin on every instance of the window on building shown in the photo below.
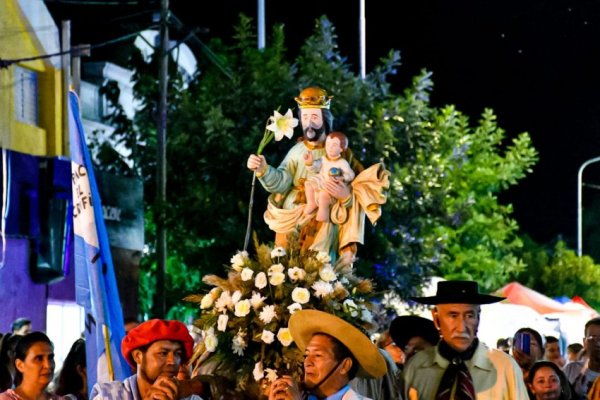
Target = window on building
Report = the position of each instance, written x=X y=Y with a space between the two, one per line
x=91 y=102
x=26 y=95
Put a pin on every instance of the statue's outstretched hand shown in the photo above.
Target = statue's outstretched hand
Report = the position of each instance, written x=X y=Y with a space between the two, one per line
x=256 y=163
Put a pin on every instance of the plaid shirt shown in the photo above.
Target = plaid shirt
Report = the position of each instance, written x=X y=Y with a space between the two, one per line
x=126 y=390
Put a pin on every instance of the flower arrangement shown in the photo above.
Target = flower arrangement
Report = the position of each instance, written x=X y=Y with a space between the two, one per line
x=244 y=318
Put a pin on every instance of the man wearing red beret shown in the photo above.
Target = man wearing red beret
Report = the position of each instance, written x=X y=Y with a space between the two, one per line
x=155 y=349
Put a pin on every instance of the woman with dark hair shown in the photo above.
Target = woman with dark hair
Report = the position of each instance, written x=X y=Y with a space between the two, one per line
x=7 y=357
x=34 y=368
x=546 y=381
x=72 y=380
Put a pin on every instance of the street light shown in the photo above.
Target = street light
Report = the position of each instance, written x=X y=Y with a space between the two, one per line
x=579 y=208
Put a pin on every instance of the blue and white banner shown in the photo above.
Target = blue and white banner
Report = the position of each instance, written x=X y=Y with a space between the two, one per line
x=95 y=283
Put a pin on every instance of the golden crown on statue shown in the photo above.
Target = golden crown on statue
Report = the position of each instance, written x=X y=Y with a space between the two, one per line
x=313 y=97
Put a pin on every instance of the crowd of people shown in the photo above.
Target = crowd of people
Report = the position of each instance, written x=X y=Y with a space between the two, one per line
x=414 y=358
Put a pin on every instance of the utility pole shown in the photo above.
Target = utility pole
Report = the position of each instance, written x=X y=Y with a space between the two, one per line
x=580 y=204
x=362 y=22
x=66 y=81
x=261 y=24
x=161 y=164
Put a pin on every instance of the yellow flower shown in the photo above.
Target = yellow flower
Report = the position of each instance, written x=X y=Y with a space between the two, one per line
x=207 y=302
x=210 y=340
x=277 y=278
x=284 y=336
x=282 y=125
x=261 y=280
x=247 y=274
x=300 y=295
x=267 y=336
x=242 y=308
x=327 y=273
x=296 y=274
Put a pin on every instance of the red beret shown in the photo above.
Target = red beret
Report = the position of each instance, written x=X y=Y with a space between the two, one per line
x=154 y=330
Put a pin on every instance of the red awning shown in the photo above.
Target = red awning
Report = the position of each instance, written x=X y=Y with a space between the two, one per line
x=516 y=293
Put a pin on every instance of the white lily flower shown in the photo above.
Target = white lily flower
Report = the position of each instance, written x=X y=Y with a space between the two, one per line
x=282 y=125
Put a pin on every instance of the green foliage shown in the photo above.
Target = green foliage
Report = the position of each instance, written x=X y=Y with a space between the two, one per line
x=558 y=271
x=442 y=214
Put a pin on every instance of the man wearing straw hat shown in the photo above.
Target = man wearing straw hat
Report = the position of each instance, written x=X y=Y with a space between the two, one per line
x=460 y=367
x=335 y=352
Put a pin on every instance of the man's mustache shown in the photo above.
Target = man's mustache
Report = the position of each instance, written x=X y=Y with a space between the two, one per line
x=461 y=336
x=317 y=131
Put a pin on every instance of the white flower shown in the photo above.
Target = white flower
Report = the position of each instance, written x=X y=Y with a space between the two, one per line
x=277 y=278
x=237 y=295
x=242 y=308
x=222 y=322
x=267 y=314
x=366 y=315
x=238 y=343
x=350 y=307
x=267 y=336
x=271 y=374
x=284 y=336
x=210 y=340
x=292 y=308
x=276 y=269
x=238 y=260
x=323 y=257
x=258 y=372
x=257 y=300
x=327 y=273
x=247 y=274
x=224 y=301
x=300 y=295
x=261 y=280
x=278 y=252
x=322 y=288
x=282 y=125
x=207 y=301
x=296 y=274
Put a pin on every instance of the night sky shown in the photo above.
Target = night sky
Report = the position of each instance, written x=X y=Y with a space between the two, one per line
x=535 y=63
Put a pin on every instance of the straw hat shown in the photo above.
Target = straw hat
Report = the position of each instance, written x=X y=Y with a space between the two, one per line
x=305 y=323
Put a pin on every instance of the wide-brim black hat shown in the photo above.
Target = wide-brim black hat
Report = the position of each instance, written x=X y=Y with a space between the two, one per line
x=458 y=292
x=406 y=327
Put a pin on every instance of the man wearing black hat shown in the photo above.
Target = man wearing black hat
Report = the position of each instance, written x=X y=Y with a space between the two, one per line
x=460 y=367
x=413 y=334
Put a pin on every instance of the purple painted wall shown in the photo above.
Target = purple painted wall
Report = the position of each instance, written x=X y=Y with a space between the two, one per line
x=63 y=290
x=19 y=296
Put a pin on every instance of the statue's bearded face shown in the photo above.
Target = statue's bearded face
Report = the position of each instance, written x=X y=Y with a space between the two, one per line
x=313 y=127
